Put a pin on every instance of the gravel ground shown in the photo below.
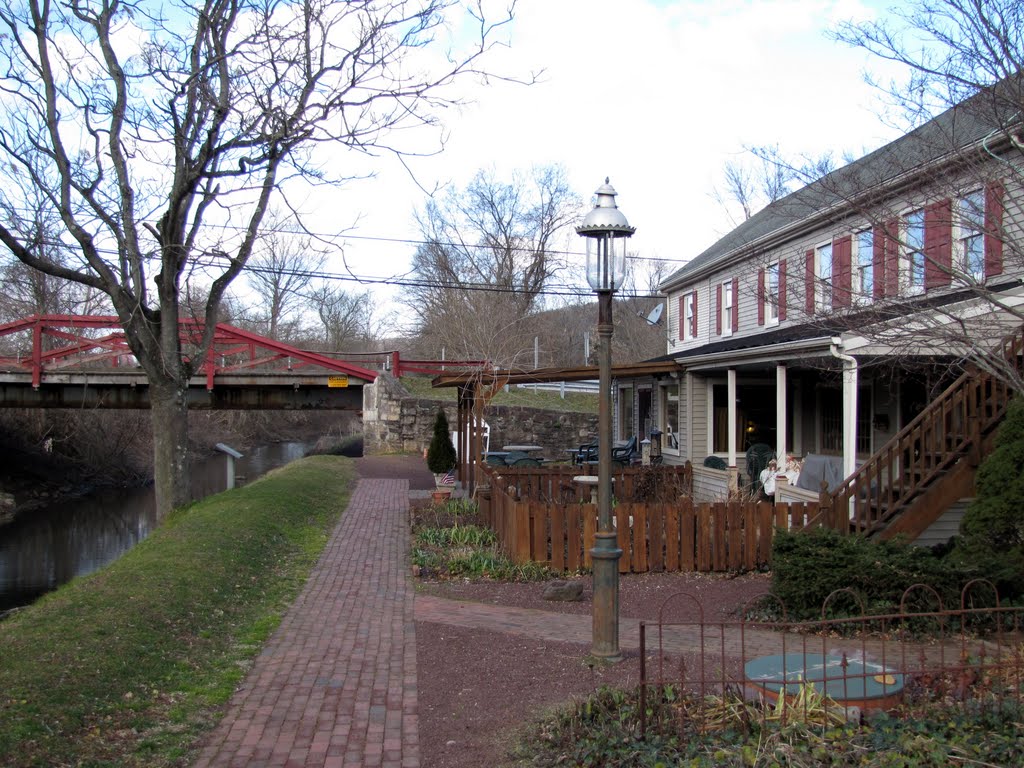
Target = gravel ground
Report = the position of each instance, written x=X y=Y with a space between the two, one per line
x=478 y=688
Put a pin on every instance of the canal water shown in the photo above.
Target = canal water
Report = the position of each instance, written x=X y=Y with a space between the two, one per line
x=49 y=546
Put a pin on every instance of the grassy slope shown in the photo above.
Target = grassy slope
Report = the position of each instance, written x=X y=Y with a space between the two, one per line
x=580 y=402
x=128 y=666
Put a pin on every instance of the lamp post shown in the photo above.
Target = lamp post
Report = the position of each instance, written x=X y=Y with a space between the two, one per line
x=606 y=230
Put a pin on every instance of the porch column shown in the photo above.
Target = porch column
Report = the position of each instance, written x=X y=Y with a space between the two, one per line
x=689 y=416
x=781 y=438
x=849 y=416
x=849 y=407
x=733 y=472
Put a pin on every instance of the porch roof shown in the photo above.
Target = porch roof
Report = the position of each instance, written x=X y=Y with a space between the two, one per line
x=544 y=375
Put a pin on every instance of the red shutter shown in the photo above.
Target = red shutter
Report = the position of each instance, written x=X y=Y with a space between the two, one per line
x=718 y=310
x=682 y=317
x=809 y=282
x=842 y=275
x=760 y=296
x=782 y=290
x=994 y=228
x=892 y=257
x=878 y=262
x=693 y=320
x=735 y=304
x=938 y=244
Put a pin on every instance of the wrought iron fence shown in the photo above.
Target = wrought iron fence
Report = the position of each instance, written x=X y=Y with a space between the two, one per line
x=829 y=670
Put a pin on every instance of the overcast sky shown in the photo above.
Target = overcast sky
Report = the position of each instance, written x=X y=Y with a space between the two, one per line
x=658 y=95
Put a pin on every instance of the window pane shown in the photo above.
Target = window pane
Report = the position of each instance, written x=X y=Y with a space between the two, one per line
x=823 y=290
x=865 y=262
x=915 y=247
x=971 y=212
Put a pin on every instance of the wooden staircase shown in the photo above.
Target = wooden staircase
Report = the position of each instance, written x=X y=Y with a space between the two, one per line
x=929 y=464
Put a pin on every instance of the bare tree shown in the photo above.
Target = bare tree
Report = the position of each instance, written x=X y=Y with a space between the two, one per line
x=159 y=140
x=281 y=271
x=491 y=250
x=26 y=291
x=347 y=319
x=757 y=180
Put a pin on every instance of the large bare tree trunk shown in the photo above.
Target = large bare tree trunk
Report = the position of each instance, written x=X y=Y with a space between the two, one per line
x=169 y=411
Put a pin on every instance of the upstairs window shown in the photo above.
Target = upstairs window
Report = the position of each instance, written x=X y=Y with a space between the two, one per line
x=771 y=293
x=725 y=311
x=864 y=272
x=689 y=316
x=913 y=250
x=823 y=278
x=971 y=220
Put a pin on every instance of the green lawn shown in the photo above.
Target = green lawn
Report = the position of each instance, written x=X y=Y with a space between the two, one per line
x=129 y=666
x=575 y=402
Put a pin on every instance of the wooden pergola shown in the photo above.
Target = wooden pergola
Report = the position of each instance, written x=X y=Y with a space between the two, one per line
x=477 y=387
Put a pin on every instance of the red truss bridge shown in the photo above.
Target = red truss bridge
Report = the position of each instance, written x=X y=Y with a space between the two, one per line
x=73 y=361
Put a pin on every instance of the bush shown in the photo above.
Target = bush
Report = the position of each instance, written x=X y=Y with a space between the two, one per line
x=441 y=453
x=991 y=543
x=807 y=566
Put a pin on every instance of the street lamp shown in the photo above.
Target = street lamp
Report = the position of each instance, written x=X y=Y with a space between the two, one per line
x=606 y=230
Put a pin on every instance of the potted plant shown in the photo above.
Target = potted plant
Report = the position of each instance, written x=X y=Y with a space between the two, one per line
x=441 y=453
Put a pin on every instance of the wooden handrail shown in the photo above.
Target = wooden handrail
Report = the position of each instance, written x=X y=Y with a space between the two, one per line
x=944 y=432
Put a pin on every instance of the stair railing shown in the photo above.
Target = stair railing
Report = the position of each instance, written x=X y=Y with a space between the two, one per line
x=948 y=429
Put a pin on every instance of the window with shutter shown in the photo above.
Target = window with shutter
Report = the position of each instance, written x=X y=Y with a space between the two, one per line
x=970 y=238
x=735 y=304
x=760 y=296
x=841 y=272
x=863 y=278
x=913 y=251
x=938 y=245
x=772 y=303
x=994 y=229
x=783 y=301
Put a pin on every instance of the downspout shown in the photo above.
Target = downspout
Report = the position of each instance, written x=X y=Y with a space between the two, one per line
x=849 y=406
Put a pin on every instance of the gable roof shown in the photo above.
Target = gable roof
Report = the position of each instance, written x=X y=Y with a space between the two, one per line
x=967 y=124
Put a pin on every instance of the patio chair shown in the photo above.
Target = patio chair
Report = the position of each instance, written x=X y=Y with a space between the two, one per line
x=514 y=456
x=623 y=454
x=586 y=453
x=524 y=461
x=758 y=456
x=715 y=462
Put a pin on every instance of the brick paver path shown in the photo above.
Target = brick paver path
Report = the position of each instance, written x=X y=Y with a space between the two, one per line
x=336 y=683
x=714 y=639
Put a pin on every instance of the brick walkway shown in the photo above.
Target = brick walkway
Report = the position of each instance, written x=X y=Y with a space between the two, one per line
x=336 y=683
x=578 y=628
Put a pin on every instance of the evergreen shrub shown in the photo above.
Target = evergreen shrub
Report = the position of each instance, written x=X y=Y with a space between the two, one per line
x=441 y=452
x=991 y=542
x=807 y=566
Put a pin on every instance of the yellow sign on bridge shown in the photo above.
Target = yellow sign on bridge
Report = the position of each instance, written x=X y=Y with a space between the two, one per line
x=337 y=381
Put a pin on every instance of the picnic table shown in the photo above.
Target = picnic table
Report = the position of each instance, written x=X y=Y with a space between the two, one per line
x=522 y=448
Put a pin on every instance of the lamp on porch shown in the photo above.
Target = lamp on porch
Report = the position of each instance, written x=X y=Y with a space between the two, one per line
x=605 y=230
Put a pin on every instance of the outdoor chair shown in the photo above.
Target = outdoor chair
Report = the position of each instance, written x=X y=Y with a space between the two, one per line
x=758 y=456
x=715 y=462
x=623 y=454
x=524 y=461
x=586 y=453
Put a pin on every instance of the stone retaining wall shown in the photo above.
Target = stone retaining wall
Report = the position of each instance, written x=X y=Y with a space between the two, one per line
x=394 y=421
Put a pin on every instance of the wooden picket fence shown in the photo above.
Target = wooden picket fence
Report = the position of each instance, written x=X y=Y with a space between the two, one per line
x=677 y=535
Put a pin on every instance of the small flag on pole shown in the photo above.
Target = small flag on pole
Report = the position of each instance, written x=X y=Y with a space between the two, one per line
x=449 y=478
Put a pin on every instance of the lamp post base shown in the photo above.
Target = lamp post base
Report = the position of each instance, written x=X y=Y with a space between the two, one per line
x=606 y=554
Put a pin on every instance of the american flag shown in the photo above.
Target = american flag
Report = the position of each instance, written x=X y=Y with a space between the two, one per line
x=449 y=478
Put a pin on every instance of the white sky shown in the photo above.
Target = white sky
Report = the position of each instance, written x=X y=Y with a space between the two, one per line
x=656 y=94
